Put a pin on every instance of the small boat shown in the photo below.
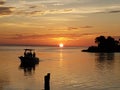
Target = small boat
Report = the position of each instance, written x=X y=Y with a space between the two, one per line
x=29 y=57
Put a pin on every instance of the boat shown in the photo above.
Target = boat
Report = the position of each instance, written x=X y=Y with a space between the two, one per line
x=29 y=57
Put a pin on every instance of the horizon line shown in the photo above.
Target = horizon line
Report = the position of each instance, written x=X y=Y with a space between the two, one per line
x=41 y=45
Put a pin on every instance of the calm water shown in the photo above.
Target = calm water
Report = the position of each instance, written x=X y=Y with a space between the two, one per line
x=70 y=69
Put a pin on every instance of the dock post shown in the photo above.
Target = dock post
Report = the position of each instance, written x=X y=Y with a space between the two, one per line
x=47 y=82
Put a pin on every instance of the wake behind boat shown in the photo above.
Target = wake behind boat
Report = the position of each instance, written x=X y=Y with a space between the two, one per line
x=29 y=57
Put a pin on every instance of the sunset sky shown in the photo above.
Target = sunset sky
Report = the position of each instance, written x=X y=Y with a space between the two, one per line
x=50 y=22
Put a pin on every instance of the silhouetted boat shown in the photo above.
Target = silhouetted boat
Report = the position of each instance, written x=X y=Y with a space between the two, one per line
x=29 y=57
x=28 y=68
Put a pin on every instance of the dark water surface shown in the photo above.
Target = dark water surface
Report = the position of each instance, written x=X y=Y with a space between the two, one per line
x=70 y=69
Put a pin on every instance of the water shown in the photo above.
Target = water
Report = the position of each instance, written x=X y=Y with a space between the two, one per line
x=70 y=69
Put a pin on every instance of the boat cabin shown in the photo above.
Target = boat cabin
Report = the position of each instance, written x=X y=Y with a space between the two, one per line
x=29 y=53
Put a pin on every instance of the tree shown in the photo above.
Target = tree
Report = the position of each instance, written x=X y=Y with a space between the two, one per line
x=100 y=41
x=108 y=44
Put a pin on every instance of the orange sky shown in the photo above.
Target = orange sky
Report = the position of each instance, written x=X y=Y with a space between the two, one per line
x=50 y=22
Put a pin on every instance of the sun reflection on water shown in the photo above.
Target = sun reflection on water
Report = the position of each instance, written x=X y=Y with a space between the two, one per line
x=61 y=57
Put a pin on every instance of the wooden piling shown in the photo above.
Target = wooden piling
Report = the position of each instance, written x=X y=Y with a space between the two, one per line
x=47 y=82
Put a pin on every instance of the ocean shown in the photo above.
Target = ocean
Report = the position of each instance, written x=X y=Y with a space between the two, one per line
x=70 y=69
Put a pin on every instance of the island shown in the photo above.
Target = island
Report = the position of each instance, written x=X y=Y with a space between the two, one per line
x=105 y=44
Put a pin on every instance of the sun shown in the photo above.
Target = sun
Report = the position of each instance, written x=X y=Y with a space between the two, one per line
x=61 y=45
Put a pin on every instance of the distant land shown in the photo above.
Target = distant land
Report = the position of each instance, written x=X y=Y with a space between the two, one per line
x=105 y=44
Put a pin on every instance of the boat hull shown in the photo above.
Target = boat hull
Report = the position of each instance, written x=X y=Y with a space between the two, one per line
x=29 y=60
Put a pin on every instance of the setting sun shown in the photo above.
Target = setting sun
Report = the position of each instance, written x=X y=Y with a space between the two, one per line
x=61 y=45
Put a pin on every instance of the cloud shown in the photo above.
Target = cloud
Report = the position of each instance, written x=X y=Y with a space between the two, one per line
x=114 y=11
x=33 y=6
x=87 y=26
x=47 y=36
x=84 y=10
x=2 y=2
x=58 y=4
x=110 y=9
x=6 y=10
x=77 y=28
x=47 y=7
x=24 y=36
x=34 y=10
x=72 y=28
x=43 y=12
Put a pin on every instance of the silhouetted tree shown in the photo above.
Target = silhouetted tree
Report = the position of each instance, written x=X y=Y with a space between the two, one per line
x=101 y=42
x=108 y=44
x=119 y=42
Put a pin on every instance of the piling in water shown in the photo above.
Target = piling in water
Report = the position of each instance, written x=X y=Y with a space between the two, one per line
x=47 y=82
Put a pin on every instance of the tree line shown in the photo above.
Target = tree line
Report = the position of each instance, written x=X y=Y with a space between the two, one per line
x=105 y=44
